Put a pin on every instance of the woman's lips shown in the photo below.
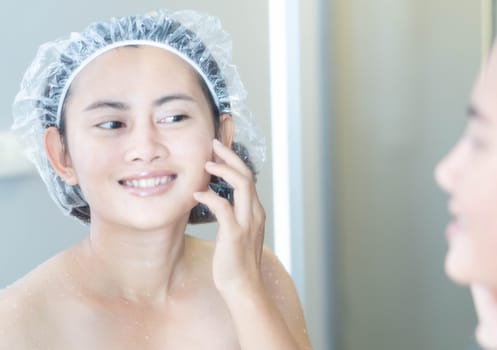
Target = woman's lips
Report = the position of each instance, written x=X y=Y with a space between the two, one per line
x=145 y=185
x=453 y=229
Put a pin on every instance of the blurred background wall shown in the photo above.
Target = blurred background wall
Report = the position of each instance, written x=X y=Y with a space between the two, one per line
x=384 y=87
x=33 y=228
x=401 y=74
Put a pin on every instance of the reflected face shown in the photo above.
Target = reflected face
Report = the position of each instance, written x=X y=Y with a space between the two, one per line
x=469 y=175
x=139 y=130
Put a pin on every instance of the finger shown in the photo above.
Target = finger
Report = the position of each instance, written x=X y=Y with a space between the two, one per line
x=234 y=162
x=230 y=157
x=257 y=208
x=225 y=171
x=219 y=206
x=243 y=190
x=247 y=206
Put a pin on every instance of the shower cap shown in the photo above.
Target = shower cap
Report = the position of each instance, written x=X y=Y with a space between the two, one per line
x=195 y=37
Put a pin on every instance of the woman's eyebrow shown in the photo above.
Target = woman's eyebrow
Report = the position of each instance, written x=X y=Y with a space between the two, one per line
x=107 y=104
x=168 y=98
x=474 y=112
x=123 y=106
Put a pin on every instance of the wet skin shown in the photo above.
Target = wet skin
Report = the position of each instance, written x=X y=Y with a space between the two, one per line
x=140 y=145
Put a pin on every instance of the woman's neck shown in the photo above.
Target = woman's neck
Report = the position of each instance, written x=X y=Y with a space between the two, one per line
x=135 y=265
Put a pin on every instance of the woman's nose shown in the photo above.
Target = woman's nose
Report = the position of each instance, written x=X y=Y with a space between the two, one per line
x=441 y=174
x=448 y=169
x=146 y=144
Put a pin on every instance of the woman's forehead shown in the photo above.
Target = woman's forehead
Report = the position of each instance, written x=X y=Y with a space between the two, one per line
x=127 y=60
x=135 y=69
x=485 y=89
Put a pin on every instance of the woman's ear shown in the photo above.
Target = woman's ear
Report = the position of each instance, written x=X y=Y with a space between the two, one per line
x=57 y=156
x=226 y=129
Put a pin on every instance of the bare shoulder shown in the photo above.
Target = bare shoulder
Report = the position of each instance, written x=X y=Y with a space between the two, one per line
x=10 y=333
x=19 y=308
x=277 y=281
x=276 y=278
x=284 y=294
x=23 y=305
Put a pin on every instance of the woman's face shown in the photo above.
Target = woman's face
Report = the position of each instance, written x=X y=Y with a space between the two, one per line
x=139 y=131
x=469 y=174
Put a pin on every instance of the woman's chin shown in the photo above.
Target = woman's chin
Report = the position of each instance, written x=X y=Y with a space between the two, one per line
x=457 y=267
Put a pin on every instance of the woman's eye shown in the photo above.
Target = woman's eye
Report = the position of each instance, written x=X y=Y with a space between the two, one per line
x=113 y=124
x=172 y=119
x=478 y=144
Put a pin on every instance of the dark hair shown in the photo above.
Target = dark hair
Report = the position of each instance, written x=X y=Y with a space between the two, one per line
x=163 y=30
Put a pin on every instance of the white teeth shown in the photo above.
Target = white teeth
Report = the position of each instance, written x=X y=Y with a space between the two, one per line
x=147 y=183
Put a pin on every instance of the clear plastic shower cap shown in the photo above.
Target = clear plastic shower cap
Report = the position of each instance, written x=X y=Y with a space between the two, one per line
x=195 y=37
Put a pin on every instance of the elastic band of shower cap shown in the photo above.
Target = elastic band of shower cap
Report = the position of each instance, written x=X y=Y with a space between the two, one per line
x=225 y=108
x=195 y=37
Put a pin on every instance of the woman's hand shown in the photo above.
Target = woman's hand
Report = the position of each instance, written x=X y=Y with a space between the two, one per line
x=485 y=301
x=265 y=313
x=237 y=256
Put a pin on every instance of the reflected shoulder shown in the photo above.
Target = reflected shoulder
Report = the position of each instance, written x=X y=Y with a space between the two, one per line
x=284 y=294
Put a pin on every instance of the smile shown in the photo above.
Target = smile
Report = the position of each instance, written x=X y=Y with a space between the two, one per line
x=148 y=183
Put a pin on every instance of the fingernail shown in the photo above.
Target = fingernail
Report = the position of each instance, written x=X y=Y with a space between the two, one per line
x=196 y=195
x=210 y=164
x=217 y=143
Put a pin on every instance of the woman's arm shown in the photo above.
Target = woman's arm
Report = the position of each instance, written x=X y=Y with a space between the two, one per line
x=269 y=316
x=257 y=290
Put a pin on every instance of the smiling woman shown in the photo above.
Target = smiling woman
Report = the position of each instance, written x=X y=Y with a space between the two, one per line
x=137 y=126
x=468 y=173
x=140 y=119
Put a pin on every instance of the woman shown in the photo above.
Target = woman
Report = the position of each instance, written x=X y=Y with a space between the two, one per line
x=132 y=125
x=469 y=174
